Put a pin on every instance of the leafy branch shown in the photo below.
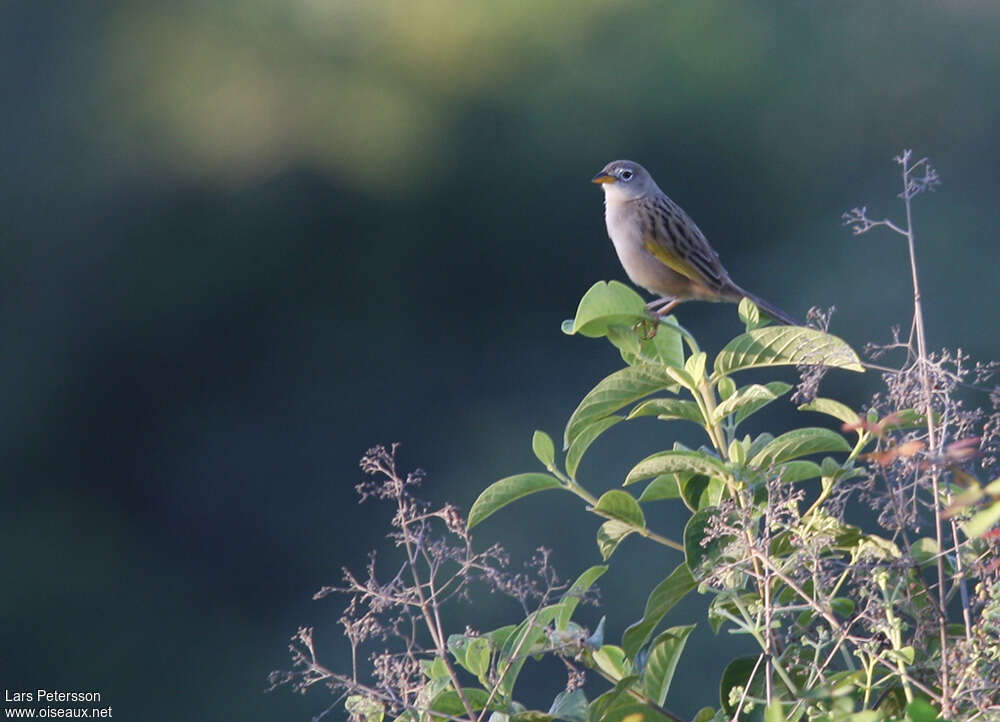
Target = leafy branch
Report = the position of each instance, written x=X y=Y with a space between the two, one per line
x=852 y=623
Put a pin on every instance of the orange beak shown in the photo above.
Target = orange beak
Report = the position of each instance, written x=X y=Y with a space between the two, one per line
x=603 y=177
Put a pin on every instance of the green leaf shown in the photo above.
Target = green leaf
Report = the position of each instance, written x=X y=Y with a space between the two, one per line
x=695 y=365
x=583 y=441
x=570 y=706
x=750 y=399
x=877 y=546
x=499 y=636
x=636 y=712
x=727 y=387
x=448 y=702
x=793 y=471
x=611 y=660
x=749 y=314
x=920 y=710
x=695 y=554
x=529 y=630
x=664 y=653
x=784 y=346
x=775 y=712
x=613 y=697
x=782 y=545
x=848 y=538
x=842 y=606
x=970 y=495
x=528 y=638
x=667 y=462
x=800 y=442
x=737 y=674
x=830 y=467
x=605 y=304
x=868 y=715
x=615 y=391
x=472 y=653
x=832 y=408
x=572 y=597
x=434 y=669
x=993 y=488
x=776 y=390
x=364 y=708
x=545 y=450
x=705 y=714
x=924 y=551
x=683 y=379
x=738 y=452
x=649 y=342
x=983 y=521
x=906 y=419
x=844 y=683
x=667 y=409
x=621 y=505
x=628 y=341
x=904 y=654
x=893 y=704
x=661 y=600
x=662 y=487
x=668 y=344
x=758 y=443
x=531 y=715
x=699 y=491
x=610 y=535
x=501 y=493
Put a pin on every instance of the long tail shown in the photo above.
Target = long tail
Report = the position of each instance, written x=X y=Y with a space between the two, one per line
x=770 y=309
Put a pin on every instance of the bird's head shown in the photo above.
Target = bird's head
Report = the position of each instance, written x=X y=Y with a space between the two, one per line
x=625 y=180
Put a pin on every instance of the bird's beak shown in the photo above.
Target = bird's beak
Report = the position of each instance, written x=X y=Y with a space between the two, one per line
x=603 y=177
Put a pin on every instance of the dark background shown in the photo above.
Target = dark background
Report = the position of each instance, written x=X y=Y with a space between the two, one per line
x=242 y=242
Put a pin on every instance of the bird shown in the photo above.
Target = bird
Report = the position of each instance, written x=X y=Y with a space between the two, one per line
x=661 y=248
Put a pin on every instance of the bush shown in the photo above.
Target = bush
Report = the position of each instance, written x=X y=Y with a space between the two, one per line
x=897 y=621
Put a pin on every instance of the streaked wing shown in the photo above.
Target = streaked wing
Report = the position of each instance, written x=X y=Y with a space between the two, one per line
x=673 y=237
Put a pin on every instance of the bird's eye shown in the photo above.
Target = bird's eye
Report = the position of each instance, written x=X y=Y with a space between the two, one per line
x=626 y=175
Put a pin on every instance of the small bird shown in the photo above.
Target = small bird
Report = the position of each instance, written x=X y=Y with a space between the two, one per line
x=661 y=248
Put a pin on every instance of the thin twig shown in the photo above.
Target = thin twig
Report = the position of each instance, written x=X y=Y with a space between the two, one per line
x=932 y=435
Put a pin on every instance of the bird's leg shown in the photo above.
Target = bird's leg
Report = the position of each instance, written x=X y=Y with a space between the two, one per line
x=662 y=301
x=667 y=308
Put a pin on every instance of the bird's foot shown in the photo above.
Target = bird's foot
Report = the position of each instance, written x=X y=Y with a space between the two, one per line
x=646 y=329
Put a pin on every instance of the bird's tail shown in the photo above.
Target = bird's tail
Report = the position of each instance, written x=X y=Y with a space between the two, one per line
x=770 y=309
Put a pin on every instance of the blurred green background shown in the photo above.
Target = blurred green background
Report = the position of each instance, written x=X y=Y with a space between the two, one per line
x=241 y=242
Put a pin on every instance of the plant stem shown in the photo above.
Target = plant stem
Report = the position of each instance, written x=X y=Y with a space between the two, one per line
x=645 y=532
x=429 y=611
x=751 y=626
x=706 y=400
x=932 y=432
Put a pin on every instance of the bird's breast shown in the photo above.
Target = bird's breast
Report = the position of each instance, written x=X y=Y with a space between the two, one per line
x=628 y=230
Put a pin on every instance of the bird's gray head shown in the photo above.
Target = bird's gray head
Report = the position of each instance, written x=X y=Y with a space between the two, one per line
x=625 y=180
